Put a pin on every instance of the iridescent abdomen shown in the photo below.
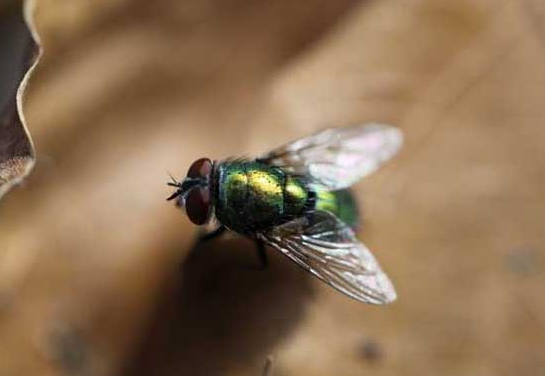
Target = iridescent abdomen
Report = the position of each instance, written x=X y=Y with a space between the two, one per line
x=341 y=203
x=250 y=196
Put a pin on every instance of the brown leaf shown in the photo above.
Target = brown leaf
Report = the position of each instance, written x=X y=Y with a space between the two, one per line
x=20 y=52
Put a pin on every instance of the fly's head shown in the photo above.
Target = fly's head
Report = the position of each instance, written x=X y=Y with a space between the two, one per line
x=194 y=192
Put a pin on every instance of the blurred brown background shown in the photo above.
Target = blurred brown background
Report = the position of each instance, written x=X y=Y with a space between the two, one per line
x=96 y=274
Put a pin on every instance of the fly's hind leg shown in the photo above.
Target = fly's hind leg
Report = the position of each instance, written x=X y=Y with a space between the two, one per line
x=262 y=253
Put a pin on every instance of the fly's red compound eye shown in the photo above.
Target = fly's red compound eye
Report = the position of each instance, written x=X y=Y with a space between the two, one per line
x=197 y=205
x=201 y=168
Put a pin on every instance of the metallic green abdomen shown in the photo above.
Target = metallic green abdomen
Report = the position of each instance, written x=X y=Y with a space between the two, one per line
x=341 y=203
x=251 y=196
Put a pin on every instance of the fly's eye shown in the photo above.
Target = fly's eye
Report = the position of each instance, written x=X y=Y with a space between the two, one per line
x=197 y=205
x=201 y=168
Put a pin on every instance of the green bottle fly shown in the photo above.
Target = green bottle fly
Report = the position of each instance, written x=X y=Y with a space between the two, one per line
x=296 y=199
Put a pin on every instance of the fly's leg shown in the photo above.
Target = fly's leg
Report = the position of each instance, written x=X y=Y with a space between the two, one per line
x=262 y=253
x=212 y=235
x=203 y=237
x=260 y=245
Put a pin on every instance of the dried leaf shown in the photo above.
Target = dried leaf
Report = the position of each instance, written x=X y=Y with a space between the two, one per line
x=20 y=51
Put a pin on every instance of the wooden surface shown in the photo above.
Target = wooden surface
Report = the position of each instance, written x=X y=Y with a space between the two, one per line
x=96 y=272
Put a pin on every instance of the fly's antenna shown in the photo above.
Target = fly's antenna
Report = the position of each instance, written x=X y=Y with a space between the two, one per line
x=183 y=187
x=174 y=195
x=174 y=183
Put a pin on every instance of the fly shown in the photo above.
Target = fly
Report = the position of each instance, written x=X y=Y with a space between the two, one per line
x=296 y=199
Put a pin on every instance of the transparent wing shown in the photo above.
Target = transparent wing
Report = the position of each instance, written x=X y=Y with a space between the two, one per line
x=338 y=157
x=324 y=245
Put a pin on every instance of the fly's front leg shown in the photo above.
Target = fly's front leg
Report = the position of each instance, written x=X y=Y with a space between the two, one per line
x=203 y=237
x=211 y=235
x=262 y=253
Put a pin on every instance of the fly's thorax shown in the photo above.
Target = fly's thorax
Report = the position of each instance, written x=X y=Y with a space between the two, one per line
x=231 y=184
x=296 y=195
x=265 y=202
x=253 y=195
